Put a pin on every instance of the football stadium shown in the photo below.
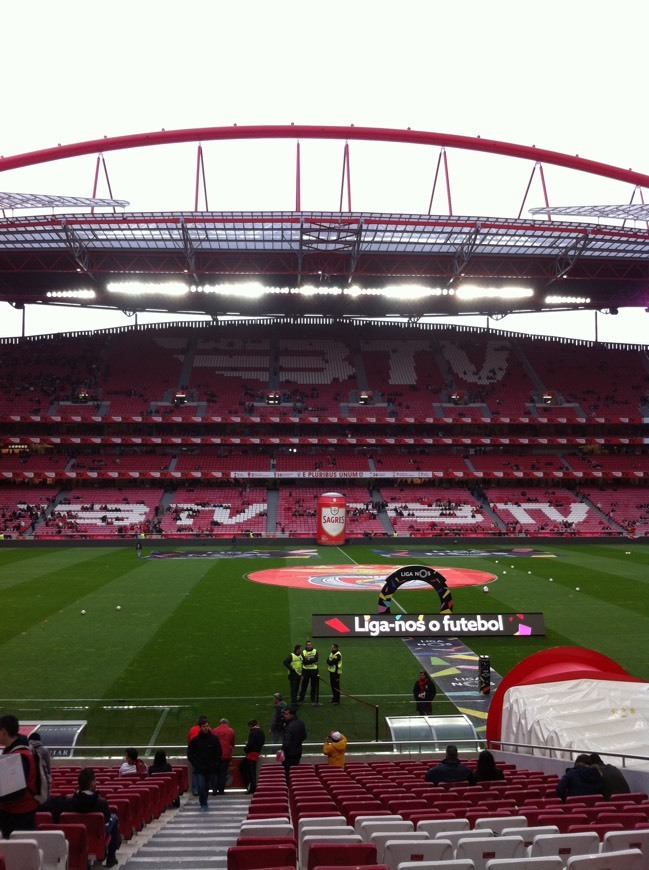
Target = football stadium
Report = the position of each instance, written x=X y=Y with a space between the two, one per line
x=321 y=459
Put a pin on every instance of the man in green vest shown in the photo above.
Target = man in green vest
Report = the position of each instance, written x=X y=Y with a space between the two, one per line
x=310 y=676
x=293 y=663
x=335 y=666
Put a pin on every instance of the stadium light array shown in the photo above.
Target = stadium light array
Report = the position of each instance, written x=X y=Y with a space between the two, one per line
x=70 y=294
x=473 y=291
x=567 y=300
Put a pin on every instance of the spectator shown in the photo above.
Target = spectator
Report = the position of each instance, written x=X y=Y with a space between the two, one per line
x=133 y=763
x=581 y=779
x=612 y=778
x=486 y=770
x=204 y=754
x=88 y=800
x=450 y=769
x=277 y=719
x=294 y=737
x=334 y=748
x=424 y=692
x=18 y=809
x=226 y=738
x=193 y=731
x=42 y=752
x=252 y=750
x=161 y=765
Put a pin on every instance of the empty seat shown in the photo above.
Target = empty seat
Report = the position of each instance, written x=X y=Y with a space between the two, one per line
x=528 y=834
x=379 y=826
x=388 y=817
x=616 y=841
x=322 y=833
x=397 y=852
x=266 y=828
x=95 y=826
x=498 y=823
x=253 y=857
x=321 y=822
x=625 y=859
x=340 y=854
x=53 y=846
x=379 y=839
x=565 y=845
x=549 y=863
x=462 y=864
x=76 y=837
x=326 y=840
x=21 y=854
x=482 y=849
x=434 y=826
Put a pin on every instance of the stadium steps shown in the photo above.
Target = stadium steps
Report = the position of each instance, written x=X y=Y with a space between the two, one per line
x=188 y=362
x=189 y=839
x=607 y=519
x=527 y=367
x=272 y=502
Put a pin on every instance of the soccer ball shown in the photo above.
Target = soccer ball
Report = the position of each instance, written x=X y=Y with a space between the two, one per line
x=485 y=589
x=83 y=612
x=119 y=607
x=576 y=588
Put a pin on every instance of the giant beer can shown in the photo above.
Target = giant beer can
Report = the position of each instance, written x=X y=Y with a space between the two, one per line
x=332 y=513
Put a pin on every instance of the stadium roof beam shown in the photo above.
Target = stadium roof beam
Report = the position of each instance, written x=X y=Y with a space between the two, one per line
x=569 y=257
x=189 y=251
x=78 y=250
x=465 y=251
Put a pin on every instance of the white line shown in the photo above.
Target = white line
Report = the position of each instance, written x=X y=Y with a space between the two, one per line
x=157 y=730
x=356 y=563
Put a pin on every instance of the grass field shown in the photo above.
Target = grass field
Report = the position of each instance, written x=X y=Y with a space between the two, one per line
x=195 y=635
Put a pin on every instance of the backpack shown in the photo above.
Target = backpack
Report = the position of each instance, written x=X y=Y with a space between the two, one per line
x=43 y=775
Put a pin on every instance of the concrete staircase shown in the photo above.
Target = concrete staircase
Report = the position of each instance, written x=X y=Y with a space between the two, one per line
x=187 y=839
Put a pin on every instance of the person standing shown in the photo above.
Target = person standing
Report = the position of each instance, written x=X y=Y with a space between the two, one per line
x=294 y=737
x=277 y=719
x=18 y=810
x=252 y=750
x=424 y=692
x=204 y=754
x=293 y=663
x=227 y=740
x=334 y=748
x=310 y=674
x=335 y=666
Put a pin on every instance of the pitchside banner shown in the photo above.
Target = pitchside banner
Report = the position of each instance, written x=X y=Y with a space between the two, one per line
x=428 y=625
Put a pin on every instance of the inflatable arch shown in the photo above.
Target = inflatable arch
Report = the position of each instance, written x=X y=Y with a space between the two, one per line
x=415 y=572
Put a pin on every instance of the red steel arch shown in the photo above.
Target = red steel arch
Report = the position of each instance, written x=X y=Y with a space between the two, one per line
x=297 y=131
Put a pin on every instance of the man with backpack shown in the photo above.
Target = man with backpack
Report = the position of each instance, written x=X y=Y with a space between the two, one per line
x=44 y=763
x=18 y=808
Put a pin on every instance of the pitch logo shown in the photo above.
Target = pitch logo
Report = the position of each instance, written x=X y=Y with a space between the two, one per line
x=359 y=578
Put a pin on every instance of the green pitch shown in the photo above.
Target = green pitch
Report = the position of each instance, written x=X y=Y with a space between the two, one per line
x=196 y=636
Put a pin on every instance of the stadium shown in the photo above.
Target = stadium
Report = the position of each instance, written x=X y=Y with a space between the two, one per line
x=164 y=488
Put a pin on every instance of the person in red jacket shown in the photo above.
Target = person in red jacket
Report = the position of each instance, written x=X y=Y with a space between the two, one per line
x=18 y=809
x=227 y=738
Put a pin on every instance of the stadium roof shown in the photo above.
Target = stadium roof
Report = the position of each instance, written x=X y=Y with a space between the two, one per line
x=299 y=253
x=333 y=263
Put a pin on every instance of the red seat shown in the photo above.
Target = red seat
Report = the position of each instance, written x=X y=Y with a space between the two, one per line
x=254 y=857
x=96 y=828
x=77 y=839
x=599 y=829
x=43 y=818
x=340 y=855
x=122 y=809
x=561 y=820
x=626 y=819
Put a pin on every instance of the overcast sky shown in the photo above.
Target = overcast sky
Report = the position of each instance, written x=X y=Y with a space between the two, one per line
x=567 y=76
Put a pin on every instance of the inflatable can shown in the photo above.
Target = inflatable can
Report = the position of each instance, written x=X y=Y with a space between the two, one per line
x=332 y=513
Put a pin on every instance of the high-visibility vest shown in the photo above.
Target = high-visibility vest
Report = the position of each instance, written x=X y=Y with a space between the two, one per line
x=296 y=664
x=310 y=659
x=335 y=663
